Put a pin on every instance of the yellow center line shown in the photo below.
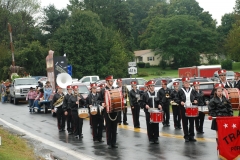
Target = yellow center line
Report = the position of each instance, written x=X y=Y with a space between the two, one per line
x=162 y=134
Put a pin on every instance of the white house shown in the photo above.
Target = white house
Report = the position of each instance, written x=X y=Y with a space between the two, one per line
x=147 y=56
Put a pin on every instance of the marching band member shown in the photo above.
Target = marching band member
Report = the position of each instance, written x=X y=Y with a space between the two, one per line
x=102 y=86
x=236 y=83
x=97 y=120
x=175 y=107
x=59 y=110
x=67 y=110
x=219 y=105
x=111 y=123
x=164 y=98
x=76 y=101
x=199 y=120
x=186 y=98
x=125 y=93
x=150 y=100
x=134 y=96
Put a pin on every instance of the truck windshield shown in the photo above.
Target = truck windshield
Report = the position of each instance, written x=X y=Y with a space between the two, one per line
x=83 y=89
x=26 y=82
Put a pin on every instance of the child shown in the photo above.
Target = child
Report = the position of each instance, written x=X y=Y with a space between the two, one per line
x=31 y=95
x=47 y=91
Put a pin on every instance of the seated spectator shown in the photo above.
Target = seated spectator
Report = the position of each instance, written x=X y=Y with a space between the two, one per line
x=47 y=90
x=36 y=103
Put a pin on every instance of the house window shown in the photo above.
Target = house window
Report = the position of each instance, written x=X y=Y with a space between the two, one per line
x=150 y=58
x=140 y=59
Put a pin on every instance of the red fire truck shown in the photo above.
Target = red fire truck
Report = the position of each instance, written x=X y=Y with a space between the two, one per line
x=198 y=71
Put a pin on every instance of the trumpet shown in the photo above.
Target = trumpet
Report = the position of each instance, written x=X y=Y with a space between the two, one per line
x=167 y=95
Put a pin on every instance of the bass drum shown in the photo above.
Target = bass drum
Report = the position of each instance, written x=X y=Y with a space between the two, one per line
x=233 y=95
x=114 y=100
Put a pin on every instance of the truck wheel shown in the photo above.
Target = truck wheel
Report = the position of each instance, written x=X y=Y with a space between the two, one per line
x=15 y=101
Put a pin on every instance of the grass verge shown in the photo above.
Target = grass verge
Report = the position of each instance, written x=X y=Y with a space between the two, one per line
x=14 y=148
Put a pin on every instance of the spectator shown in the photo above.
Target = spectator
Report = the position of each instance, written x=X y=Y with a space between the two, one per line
x=31 y=95
x=47 y=90
x=39 y=93
x=40 y=84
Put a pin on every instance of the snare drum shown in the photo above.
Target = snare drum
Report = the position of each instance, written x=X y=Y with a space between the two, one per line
x=156 y=116
x=114 y=100
x=83 y=112
x=93 y=110
x=191 y=111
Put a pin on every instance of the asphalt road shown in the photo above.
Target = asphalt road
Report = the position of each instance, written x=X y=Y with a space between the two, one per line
x=41 y=130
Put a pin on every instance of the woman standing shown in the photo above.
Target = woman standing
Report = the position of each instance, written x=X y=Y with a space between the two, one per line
x=31 y=95
x=219 y=106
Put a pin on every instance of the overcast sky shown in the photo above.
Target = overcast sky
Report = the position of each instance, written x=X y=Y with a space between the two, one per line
x=215 y=7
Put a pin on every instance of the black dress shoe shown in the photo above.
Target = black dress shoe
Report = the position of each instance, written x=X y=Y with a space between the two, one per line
x=70 y=133
x=109 y=147
x=151 y=141
x=125 y=123
x=167 y=125
x=95 y=140
x=114 y=146
x=156 y=141
x=100 y=140
x=192 y=140
x=186 y=139
x=180 y=127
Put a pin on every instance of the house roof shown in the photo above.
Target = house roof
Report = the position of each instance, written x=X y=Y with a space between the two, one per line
x=142 y=52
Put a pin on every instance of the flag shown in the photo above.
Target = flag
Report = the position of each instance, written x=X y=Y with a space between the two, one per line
x=229 y=137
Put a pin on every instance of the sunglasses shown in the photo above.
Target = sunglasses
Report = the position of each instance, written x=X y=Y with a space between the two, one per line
x=222 y=75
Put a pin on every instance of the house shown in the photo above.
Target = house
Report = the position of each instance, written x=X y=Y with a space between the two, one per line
x=147 y=56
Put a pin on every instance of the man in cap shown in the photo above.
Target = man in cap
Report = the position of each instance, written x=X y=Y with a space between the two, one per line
x=199 y=120
x=67 y=110
x=125 y=95
x=110 y=118
x=59 y=110
x=175 y=107
x=236 y=83
x=76 y=101
x=164 y=99
x=134 y=97
x=186 y=98
x=151 y=100
x=97 y=119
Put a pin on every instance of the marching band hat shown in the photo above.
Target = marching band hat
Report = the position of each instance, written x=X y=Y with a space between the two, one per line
x=150 y=82
x=119 y=80
x=184 y=79
x=237 y=74
x=164 y=82
x=218 y=85
x=93 y=85
x=146 y=84
x=195 y=83
x=175 y=83
x=69 y=87
x=109 y=78
x=134 y=83
x=74 y=87
x=101 y=85
x=221 y=71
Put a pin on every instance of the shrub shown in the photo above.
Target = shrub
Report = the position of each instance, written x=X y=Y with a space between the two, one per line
x=142 y=74
x=227 y=64
x=213 y=61
x=147 y=65
x=141 y=64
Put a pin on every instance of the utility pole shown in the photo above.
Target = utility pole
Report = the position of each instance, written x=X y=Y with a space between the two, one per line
x=11 y=44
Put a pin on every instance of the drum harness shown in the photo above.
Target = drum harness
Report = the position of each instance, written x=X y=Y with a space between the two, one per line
x=187 y=94
x=153 y=98
x=114 y=119
x=94 y=101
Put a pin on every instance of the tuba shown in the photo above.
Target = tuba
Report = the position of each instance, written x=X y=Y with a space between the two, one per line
x=63 y=80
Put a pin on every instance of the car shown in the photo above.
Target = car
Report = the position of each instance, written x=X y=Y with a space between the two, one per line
x=158 y=82
x=89 y=79
x=229 y=76
x=127 y=82
x=82 y=88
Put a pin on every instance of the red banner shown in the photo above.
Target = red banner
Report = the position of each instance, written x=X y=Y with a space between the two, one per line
x=229 y=137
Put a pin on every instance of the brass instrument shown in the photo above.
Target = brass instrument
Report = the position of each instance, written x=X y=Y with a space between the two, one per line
x=59 y=102
x=167 y=95
x=173 y=103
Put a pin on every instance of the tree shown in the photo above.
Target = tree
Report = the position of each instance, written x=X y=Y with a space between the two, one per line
x=88 y=44
x=232 y=45
x=181 y=38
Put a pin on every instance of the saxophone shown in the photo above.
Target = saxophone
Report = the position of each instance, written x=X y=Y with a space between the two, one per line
x=59 y=102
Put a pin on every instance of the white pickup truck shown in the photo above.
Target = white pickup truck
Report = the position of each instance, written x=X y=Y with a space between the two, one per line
x=88 y=79
x=20 y=87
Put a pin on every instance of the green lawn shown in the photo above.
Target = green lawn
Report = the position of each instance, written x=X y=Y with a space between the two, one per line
x=236 y=66
x=155 y=72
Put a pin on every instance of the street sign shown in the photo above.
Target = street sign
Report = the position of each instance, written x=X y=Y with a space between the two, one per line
x=69 y=70
x=132 y=70
x=132 y=64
